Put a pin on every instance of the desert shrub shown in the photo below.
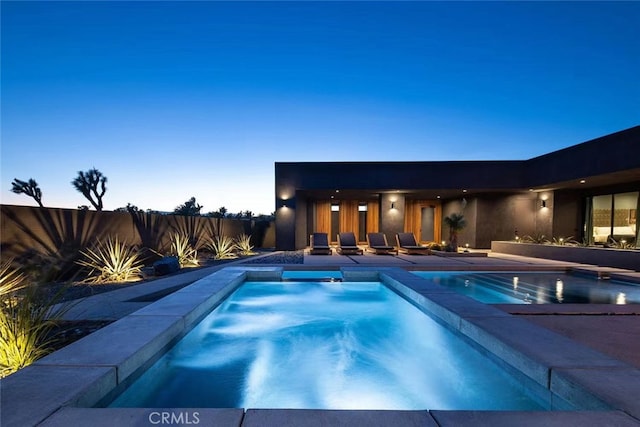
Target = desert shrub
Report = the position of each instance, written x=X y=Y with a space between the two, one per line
x=111 y=261
x=243 y=245
x=26 y=321
x=565 y=241
x=182 y=249
x=620 y=244
x=11 y=279
x=536 y=238
x=222 y=247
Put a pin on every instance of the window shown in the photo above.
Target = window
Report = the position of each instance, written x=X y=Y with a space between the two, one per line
x=362 y=221
x=614 y=219
x=335 y=222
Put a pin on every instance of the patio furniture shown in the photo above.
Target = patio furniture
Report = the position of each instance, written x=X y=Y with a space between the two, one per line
x=377 y=243
x=347 y=244
x=319 y=244
x=407 y=244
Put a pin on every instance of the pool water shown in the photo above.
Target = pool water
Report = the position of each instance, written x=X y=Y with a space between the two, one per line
x=318 y=275
x=324 y=345
x=535 y=287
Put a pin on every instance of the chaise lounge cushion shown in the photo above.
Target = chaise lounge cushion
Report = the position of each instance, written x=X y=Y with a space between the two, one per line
x=377 y=243
x=407 y=244
x=347 y=244
x=319 y=244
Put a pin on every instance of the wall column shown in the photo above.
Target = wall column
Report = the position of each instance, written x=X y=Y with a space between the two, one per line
x=285 y=224
x=392 y=219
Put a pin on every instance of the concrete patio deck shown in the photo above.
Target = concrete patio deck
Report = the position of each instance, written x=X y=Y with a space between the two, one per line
x=550 y=344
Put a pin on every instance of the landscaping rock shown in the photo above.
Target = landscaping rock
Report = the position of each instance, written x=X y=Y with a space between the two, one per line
x=166 y=265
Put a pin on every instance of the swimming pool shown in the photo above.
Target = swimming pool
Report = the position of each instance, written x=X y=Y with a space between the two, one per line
x=535 y=287
x=324 y=345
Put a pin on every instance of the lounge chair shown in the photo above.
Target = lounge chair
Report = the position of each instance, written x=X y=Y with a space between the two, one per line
x=407 y=244
x=319 y=244
x=347 y=244
x=377 y=243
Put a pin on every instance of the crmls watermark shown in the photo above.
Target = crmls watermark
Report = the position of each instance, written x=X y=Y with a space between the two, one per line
x=170 y=417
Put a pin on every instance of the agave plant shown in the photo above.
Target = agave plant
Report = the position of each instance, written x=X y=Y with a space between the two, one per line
x=11 y=280
x=565 y=241
x=536 y=238
x=181 y=248
x=111 y=261
x=223 y=247
x=620 y=244
x=243 y=244
x=26 y=321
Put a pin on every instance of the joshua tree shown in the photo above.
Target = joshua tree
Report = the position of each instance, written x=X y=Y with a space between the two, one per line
x=189 y=208
x=455 y=222
x=87 y=183
x=30 y=188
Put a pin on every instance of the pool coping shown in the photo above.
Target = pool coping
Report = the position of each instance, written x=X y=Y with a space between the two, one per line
x=60 y=386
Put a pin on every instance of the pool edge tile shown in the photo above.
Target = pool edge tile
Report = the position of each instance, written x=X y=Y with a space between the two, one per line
x=336 y=418
x=26 y=402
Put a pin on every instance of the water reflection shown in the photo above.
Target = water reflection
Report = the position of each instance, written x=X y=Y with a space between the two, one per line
x=559 y=290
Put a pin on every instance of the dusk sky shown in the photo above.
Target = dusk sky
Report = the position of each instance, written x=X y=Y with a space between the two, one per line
x=178 y=99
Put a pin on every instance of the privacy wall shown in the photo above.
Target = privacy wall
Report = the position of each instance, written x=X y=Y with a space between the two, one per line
x=25 y=229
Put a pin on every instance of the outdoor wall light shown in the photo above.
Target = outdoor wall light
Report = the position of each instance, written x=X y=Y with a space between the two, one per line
x=393 y=205
x=544 y=204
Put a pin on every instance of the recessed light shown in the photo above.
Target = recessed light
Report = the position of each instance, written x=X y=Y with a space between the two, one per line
x=464 y=191
x=337 y=191
x=531 y=189
x=582 y=181
x=437 y=197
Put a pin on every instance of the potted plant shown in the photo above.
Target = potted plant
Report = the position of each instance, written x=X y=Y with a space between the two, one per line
x=456 y=223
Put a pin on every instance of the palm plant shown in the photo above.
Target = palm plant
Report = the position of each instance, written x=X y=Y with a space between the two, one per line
x=455 y=222
x=111 y=261
x=243 y=244
x=223 y=247
x=182 y=249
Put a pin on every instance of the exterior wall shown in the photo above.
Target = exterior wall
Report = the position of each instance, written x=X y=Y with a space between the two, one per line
x=286 y=226
x=612 y=153
x=544 y=216
x=499 y=201
x=469 y=210
x=301 y=237
x=392 y=220
x=568 y=215
x=47 y=230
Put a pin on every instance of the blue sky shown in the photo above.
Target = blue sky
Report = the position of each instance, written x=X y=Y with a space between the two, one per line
x=178 y=99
